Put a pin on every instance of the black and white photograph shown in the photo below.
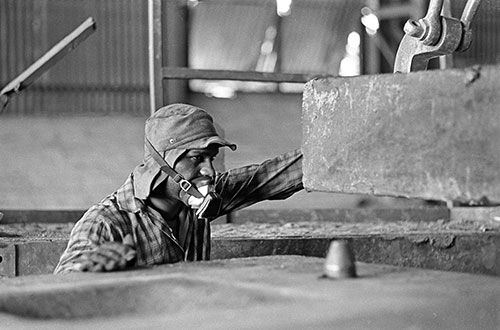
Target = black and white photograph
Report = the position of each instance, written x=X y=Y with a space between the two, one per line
x=250 y=164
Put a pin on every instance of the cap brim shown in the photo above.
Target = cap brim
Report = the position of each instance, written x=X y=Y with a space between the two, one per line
x=205 y=142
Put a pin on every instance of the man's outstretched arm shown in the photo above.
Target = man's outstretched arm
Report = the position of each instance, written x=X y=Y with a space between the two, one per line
x=276 y=178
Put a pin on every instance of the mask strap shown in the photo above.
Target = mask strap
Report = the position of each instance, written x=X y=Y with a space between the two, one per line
x=185 y=185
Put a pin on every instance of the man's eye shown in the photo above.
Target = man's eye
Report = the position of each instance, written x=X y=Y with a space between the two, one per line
x=196 y=158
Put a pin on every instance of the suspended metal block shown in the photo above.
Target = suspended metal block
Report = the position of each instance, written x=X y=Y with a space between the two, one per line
x=429 y=134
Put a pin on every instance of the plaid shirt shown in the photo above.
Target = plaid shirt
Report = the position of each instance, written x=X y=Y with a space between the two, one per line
x=122 y=213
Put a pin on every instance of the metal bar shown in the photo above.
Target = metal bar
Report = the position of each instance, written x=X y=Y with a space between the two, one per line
x=433 y=22
x=467 y=16
x=469 y=12
x=155 y=55
x=85 y=88
x=187 y=73
x=50 y=58
x=174 y=38
x=110 y=60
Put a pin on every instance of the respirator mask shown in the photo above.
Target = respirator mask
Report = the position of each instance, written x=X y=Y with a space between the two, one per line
x=202 y=198
x=208 y=205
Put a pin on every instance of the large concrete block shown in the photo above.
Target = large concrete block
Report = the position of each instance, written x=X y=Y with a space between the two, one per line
x=429 y=134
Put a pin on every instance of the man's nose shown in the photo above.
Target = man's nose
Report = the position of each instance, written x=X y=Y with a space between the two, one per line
x=208 y=169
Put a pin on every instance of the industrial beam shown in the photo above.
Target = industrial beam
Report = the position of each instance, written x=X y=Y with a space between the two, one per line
x=277 y=77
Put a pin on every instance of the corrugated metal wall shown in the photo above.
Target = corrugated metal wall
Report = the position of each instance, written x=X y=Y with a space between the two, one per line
x=105 y=74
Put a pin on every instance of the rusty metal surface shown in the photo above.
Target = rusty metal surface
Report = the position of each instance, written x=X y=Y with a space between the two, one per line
x=427 y=134
x=475 y=253
x=277 y=292
x=479 y=254
x=38 y=257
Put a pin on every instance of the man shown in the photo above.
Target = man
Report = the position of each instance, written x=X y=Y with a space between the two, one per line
x=162 y=213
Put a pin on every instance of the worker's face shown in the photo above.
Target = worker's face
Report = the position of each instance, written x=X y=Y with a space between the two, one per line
x=196 y=165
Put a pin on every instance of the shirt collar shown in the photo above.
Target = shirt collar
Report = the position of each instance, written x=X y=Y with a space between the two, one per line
x=125 y=197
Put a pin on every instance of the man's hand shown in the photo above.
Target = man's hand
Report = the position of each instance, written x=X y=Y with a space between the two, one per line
x=106 y=257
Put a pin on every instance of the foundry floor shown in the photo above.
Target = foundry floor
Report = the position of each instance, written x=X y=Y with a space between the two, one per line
x=272 y=292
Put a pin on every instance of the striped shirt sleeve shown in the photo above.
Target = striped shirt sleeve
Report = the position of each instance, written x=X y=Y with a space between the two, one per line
x=277 y=178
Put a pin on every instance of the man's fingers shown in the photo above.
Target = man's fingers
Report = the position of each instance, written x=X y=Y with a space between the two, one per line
x=130 y=255
x=113 y=256
x=99 y=258
x=112 y=265
x=98 y=268
x=116 y=248
x=95 y=262
x=111 y=250
x=107 y=257
x=82 y=266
